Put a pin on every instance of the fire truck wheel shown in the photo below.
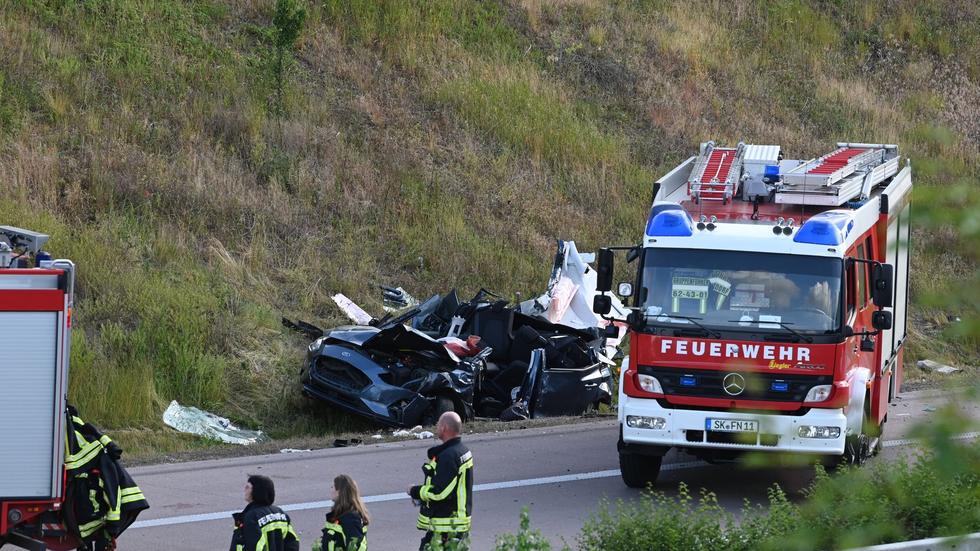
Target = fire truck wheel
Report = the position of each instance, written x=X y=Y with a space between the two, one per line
x=639 y=470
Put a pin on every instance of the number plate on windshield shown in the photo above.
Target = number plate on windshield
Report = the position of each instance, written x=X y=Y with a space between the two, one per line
x=731 y=425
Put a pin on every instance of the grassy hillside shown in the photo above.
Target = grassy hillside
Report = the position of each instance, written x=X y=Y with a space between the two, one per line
x=429 y=144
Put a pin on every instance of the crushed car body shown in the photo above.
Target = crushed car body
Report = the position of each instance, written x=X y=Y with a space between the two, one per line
x=481 y=358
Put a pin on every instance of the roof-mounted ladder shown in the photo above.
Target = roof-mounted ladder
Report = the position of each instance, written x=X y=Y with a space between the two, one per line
x=716 y=173
x=848 y=173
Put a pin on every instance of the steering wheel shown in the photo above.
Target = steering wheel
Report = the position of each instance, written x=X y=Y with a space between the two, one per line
x=811 y=309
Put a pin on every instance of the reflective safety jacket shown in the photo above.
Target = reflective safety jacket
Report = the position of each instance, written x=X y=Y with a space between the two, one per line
x=447 y=494
x=101 y=499
x=344 y=533
x=263 y=528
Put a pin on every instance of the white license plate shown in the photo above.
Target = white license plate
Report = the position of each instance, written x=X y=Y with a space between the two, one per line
x=731 y=425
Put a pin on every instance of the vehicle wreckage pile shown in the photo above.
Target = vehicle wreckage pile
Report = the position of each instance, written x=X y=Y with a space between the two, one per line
x=484 y=357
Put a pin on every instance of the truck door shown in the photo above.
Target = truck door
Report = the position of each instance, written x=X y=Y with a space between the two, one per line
x=33 y=361
x=861 y=350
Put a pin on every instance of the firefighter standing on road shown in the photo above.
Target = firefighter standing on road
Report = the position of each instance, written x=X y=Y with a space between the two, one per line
x=446 y=496
x=262 y=525
x=346 y=527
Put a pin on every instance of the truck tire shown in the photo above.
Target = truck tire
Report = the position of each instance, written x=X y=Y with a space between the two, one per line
x=639 y=470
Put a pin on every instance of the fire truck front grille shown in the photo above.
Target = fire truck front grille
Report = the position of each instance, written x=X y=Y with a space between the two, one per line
x=694 y=435
x=761 y=386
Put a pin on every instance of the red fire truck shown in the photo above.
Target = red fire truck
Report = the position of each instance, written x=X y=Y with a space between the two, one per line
x=768 y=313
x=35 y=336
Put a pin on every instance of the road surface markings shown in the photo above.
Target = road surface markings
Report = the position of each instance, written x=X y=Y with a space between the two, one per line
x=224 y=515
x=505 y=485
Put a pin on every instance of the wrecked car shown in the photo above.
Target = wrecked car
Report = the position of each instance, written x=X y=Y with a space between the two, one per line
x=482 y=357
x=393 y=374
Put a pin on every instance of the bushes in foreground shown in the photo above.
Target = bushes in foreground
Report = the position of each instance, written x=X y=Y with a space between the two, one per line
x=934 y=493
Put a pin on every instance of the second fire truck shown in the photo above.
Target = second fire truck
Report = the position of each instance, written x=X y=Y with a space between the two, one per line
x=768 y=308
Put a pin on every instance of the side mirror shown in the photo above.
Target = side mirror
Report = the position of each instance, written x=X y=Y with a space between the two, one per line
x=625 y=289
x=602 y=304
x=881 y=320
x=882 y=285
x=604 y=272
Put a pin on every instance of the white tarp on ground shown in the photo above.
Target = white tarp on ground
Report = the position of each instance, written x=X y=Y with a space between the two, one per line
x=202 y=423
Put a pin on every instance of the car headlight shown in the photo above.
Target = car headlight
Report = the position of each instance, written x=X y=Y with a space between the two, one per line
x=649 y=383
x=819 y=393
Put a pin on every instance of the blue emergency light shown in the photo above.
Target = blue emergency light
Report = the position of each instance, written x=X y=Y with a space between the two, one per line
x=670 y=222
x=688 y=380
x=780 y=386
x=826 y=228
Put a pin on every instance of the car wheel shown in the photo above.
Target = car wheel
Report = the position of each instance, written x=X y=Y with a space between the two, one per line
x=440 y=405
x=639 y=470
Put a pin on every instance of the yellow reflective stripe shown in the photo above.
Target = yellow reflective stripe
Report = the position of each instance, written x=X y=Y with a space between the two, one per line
x=88 y=529
x=84 y=455
x=334 y=529
x=443 y=524
x=113 y=515
x=133 y=497
x=450 y=525
x=461 y=493
x=425 y=492
x=132 y=494
x=279 y=525
x=331 y=527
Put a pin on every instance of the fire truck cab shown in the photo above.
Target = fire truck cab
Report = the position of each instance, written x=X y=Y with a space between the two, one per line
x=36 y=297
x=768 y=312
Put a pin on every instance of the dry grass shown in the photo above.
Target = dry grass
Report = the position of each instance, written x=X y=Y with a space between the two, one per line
x=427 y=144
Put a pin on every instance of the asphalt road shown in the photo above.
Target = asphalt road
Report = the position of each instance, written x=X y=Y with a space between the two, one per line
x=562 y=474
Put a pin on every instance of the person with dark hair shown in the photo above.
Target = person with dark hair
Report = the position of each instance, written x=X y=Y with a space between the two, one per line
x=262 y=525
x=346 y=527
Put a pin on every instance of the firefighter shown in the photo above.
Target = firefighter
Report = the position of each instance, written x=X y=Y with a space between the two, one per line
x=346 y=527
x=262 y=525
x=446 y=497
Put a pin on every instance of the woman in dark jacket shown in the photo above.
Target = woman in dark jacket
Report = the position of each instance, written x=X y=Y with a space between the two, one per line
x=346 y=526
x=262 y=525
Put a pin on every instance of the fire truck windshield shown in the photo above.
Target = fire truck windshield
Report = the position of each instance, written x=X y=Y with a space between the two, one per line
x=735 y=290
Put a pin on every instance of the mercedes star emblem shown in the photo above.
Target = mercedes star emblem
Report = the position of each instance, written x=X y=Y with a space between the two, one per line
x=733 y=384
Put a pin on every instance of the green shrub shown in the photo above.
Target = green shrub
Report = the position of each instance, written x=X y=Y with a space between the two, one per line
x=934 y=494
x=526 y=539
x=658 y=522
